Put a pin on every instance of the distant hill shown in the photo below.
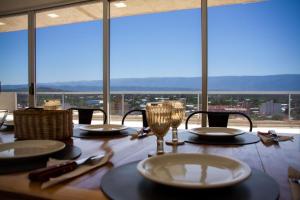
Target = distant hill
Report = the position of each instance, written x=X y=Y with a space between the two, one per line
x=217 y=83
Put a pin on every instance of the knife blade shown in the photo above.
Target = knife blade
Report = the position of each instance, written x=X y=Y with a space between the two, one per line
x=44 y=174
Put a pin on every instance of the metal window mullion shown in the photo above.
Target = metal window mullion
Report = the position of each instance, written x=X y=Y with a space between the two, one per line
x=204 y=59
x=290 y=106
x=123 y=104
x=32 y=59
x=106 y=58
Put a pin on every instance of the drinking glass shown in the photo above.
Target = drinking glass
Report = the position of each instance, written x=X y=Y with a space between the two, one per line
x=177 y=116
x=159 y=120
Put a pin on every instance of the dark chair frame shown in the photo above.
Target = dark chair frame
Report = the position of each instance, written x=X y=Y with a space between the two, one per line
x=143 y=112
x=218 y=119
x=34 y=108
x=85 y=115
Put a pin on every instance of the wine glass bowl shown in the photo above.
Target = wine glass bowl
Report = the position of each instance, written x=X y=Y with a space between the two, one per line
x=178 y=112
x=159 y=120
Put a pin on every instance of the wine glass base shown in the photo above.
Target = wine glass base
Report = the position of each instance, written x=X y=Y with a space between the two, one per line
x=178 y=142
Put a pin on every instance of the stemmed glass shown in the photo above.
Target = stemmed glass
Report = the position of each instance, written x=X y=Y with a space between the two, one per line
x=159 y=120
x=178 y=111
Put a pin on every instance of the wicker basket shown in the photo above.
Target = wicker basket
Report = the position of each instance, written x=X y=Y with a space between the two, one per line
x=43 y=124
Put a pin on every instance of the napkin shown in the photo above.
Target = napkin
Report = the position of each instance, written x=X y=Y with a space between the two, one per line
x=271 y=137
x=294 y=174
x=77 y=172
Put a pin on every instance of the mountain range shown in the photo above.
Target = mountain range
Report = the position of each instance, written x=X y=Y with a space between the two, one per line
x=289 y=82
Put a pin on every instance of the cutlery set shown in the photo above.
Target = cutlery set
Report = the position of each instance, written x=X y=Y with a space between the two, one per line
x=272 y=136
x=44 y=174
x=143 y=132
x=295 y=180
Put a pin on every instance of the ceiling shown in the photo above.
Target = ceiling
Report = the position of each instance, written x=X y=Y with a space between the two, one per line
x=91 y=11
x=15 y=6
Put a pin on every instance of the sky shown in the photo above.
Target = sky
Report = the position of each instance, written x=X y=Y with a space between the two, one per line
x=248 y=39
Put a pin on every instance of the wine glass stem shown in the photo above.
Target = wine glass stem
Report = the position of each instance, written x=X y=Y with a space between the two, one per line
x=160 y=145
x=174 y=135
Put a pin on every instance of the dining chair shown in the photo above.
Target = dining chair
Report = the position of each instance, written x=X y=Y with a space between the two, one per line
x=218 y=119
x=85 y=115
x=2 y=120
x=143 y=113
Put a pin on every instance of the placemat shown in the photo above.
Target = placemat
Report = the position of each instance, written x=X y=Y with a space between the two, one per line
x=78 y=133
x=243 y=139
x=116 y=185
x=70 y=152
x=22 y=165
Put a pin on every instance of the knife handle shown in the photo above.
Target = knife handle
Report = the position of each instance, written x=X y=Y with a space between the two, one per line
x=46 y=173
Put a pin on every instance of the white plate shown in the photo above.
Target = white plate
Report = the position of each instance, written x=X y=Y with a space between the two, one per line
x=216 y=131
x=29 y=148
x=103 y=128
x=9 y=123
x=194 y=170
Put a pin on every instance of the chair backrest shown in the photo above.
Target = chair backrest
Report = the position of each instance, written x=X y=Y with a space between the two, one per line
x=85 y=115
x=144 y=117
x=219 y=119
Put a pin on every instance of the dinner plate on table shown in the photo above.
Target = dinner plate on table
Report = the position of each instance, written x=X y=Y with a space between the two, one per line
x=29 y=149
x=188 y=170
x=103 y=128
x=216 y=131
x=9 y=123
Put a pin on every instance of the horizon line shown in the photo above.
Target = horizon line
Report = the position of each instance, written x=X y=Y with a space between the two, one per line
x=153 y=78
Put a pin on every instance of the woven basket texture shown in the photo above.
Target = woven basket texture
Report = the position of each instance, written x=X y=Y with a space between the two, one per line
x=43 y=124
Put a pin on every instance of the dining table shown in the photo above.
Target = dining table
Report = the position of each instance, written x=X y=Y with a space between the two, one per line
x=273 y=160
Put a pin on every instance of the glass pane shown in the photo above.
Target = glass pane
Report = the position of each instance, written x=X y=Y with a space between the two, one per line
x=69 y=56
x=254 y=62
x=13 y=62
x=155 y=55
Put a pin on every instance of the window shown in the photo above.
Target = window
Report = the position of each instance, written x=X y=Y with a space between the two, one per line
x=254 y=62
x=13 y=62
x=155 y=55
x=69 y=56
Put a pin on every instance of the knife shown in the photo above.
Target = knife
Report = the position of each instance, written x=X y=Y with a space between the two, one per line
x=46 y=173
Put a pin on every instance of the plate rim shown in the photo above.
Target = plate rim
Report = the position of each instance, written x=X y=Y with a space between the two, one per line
x=83 y=127
x=225 y=135
x=9 y=123
x=63 y=145
x=141 y=170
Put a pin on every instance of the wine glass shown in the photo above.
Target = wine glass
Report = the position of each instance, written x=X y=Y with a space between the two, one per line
x=159 y=120
x=178 y=111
